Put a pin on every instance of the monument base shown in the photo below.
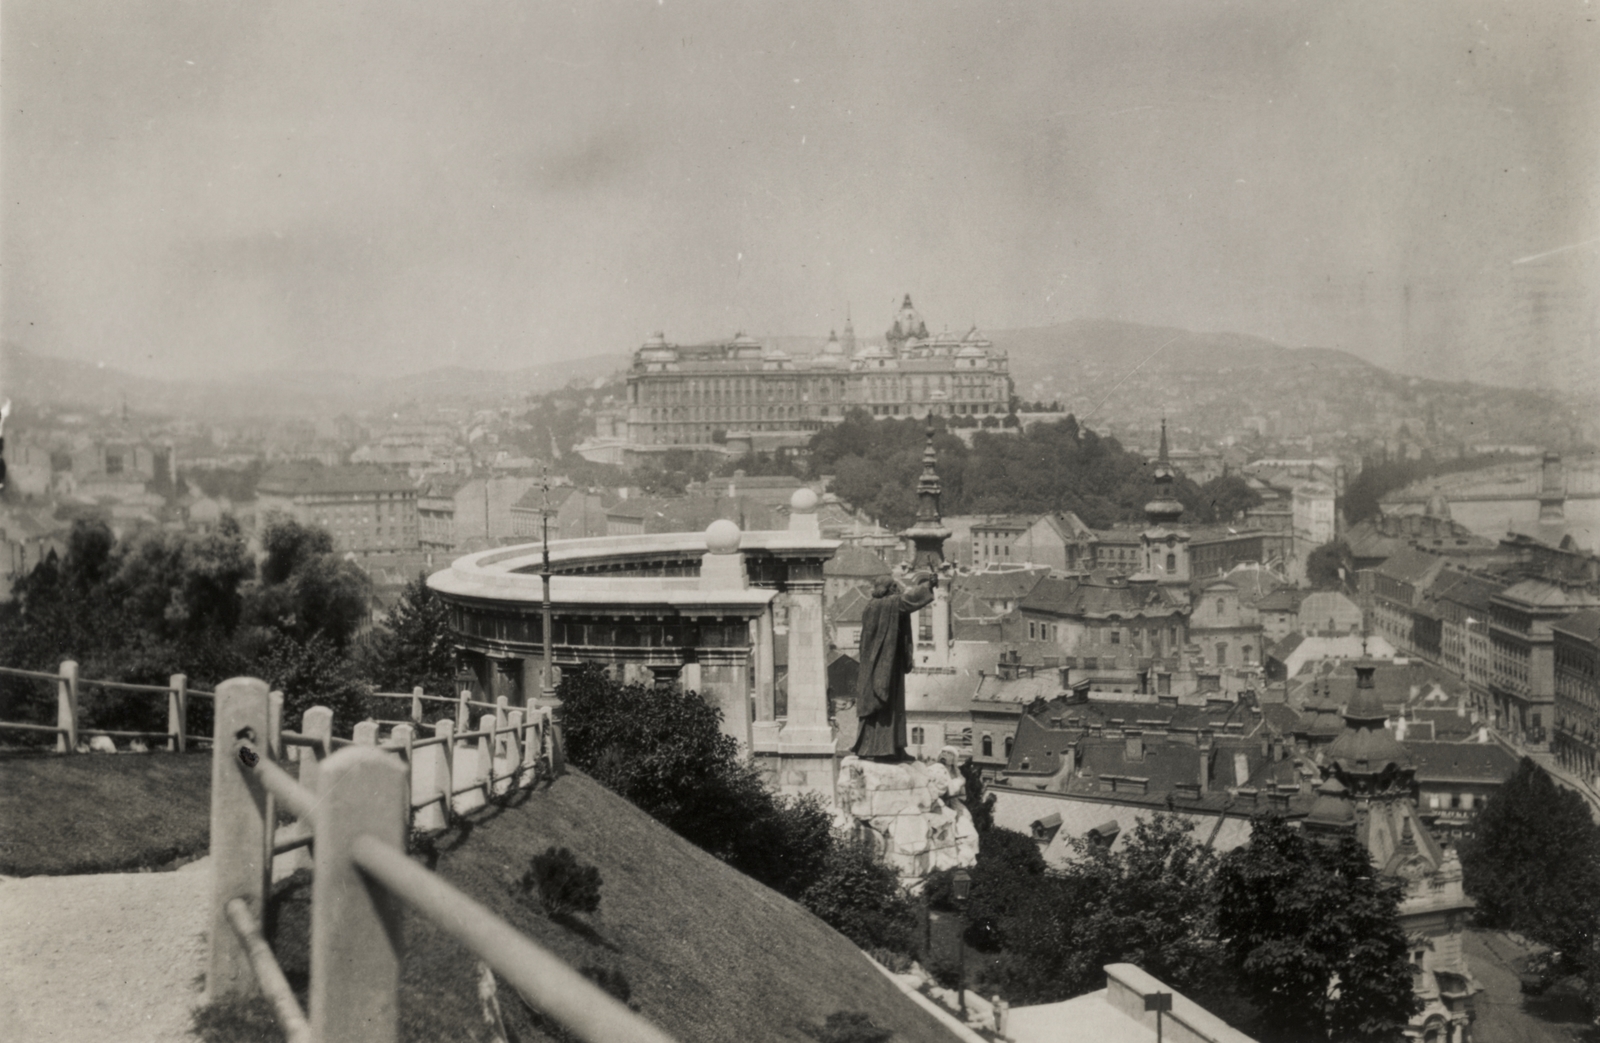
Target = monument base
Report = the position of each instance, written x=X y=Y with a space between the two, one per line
x=902 y=810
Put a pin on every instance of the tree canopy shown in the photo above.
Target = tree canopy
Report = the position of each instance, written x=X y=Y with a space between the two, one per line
x=1313 y=932
x=1533 y=866
x=1055 y=466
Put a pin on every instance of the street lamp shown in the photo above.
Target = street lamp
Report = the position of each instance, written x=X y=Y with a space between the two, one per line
x=961 y=890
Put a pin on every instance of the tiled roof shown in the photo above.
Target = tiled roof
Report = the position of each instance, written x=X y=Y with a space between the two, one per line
x=1461 y=761
x=1051 y=595
x=1584 y=625
x=307 y=481
x=848 y=608
x=851 y=561
x=1045 y=684
x=1010 y=585
x=1284 y=648
x=1279 y=601
x=1472 y=592
x=1410 y=565
x=1540 y=593
x=533 y=499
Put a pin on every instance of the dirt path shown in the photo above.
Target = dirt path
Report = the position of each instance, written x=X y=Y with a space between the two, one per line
x=114 y=957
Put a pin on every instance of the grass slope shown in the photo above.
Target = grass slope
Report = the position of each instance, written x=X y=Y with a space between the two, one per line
x=708 y=953
x=101 y=813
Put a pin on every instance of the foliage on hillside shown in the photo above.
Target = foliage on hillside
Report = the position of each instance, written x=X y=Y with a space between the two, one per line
x=663 y=749
x=1057 y=466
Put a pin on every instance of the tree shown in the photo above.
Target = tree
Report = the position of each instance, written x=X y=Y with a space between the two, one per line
x=979 y=802
x=312 y=672
x=415 y=646
x=1533 y=864
x=1313 y=933
x=306 y=589
x=1331 y=566
x=1225 y=498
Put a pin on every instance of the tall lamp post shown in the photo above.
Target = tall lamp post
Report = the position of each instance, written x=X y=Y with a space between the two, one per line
x=961 y=890
x=547 y=683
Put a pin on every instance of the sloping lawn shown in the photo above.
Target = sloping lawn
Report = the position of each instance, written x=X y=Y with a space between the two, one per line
x=706 y=953
x=102 y=813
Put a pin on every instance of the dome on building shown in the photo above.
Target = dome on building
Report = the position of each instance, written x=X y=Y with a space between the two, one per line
x=722 y=537
x=804 y=501
x=833 y=347
x=657 y=339
x=971 y=351
x=1365 y=747
x=744 y=340
x=1438 y=506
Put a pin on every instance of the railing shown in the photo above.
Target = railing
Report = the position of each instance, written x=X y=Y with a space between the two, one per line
x=353 y=805
x=68 y=725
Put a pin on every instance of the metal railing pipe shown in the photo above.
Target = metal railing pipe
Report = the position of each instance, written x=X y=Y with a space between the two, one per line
x=268 y=974
x=543 y=978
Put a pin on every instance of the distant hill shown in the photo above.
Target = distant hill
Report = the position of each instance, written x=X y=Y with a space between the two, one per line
x=708 y=953
x=42 y=379
x=1129 y=376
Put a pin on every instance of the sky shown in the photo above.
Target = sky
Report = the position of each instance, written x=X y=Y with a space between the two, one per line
x=212 y=188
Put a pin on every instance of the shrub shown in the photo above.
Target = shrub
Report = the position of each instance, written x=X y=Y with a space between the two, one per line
x=861 y=898
x=564 y=884
x=847 y=1027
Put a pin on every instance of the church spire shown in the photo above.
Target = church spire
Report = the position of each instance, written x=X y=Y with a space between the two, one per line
x=1164 y=509
x=928 y=533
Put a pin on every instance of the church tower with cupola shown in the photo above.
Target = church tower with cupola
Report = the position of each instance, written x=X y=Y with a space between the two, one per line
x=1366 y=794
x=1165 y=545
x=926 y=536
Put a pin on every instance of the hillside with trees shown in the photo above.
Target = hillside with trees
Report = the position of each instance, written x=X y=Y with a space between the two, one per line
x=1056 y=466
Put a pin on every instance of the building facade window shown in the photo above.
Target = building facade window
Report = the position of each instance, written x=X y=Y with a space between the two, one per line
x=917 y=735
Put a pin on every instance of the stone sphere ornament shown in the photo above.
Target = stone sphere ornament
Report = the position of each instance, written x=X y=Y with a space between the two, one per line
x=722 y=537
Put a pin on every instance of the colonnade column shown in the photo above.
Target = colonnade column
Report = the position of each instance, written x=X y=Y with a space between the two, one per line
x=806 y=743
x=764 y=730
x=724 y=682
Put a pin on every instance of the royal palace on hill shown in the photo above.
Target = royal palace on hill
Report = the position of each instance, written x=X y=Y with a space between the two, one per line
x=730 y=392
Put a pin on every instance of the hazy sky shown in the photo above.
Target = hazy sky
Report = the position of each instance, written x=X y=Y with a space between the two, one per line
x=199 y=187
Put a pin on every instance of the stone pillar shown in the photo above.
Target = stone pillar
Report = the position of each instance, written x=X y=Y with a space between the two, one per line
x=806 y=744
x=723 y=682
x=764 y=730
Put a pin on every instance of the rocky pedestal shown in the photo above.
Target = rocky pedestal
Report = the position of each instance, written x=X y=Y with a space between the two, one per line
x=903 y=810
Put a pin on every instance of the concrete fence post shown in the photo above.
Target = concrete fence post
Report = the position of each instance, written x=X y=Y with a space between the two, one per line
x=315 y=723
x=502 y=705
x=435 y=766
x=272 y=745
x=365 y=733
x=486 y=744
x=355 y=922
x=466 y=772
x=463 y=711
x=238 y=824
x=535 y=747
x=403 y=735
x=67 y=708
x=416 y=704
x=513 y=745
x=178 y=713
